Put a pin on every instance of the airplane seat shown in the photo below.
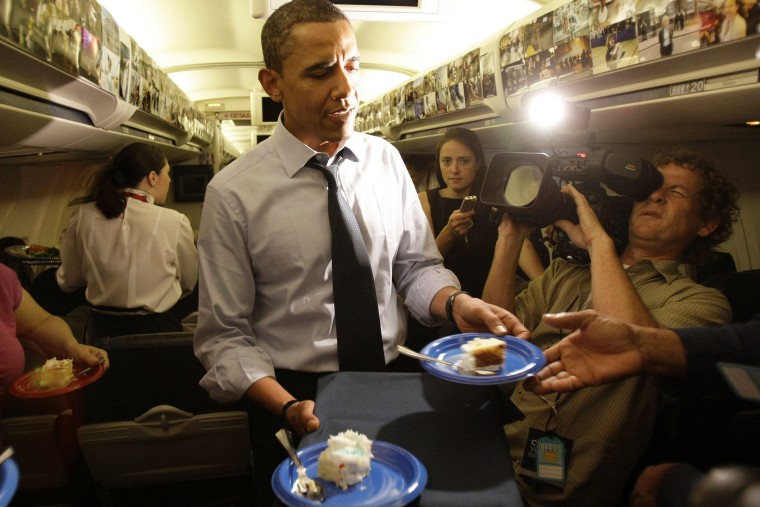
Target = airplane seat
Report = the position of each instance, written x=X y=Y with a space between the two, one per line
x=48 y=294
x=104 y=323
x=692 y=426
x=56 y=478
x=716 y=263
x=742 y=289
x=148 y=370
x=167 y=453
x=150 y=429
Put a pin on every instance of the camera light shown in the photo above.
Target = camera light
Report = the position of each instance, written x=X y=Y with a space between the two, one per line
x=546 y=110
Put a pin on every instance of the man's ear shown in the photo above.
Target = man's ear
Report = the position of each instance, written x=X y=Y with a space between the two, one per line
x=708 y=226
x=270 y=81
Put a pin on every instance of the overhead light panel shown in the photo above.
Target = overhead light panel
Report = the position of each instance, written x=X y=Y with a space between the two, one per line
x=371 y=10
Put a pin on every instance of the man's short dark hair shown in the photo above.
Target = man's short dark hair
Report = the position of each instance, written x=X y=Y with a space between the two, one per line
x=275 y=36
x=717 y=198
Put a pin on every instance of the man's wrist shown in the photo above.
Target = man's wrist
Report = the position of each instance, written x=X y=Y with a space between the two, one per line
x=450 y=304
x=662 y=352
x=284 y=413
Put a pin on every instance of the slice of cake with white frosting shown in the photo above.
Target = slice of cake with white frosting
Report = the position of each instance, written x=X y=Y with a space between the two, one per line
x=347 y=459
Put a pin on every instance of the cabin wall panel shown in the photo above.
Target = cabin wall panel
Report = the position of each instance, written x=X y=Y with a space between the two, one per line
x=37 y=201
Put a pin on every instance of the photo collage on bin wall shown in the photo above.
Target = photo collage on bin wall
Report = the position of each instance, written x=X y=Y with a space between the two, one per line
x=578 y=39
x=83 y=39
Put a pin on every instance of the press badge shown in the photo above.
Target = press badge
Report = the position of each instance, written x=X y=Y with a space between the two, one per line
x=550 y=459
x=545 y=457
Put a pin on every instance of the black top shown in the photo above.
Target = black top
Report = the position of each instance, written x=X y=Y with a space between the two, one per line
x=470 y=256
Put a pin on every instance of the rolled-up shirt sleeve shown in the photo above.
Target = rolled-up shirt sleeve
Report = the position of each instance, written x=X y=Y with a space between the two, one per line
x=224 y=339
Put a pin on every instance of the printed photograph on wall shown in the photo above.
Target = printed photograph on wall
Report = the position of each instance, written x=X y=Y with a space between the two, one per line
x=110 y=53
x=442 y=96
x=418 y=87
x=539 y=35
x=125 y=64
x=430 y=108
x=489 y=75
x=456 y=84
x=605 y=13
x=511 y=47
x=400 y=105
x=409 y=101
x=540 y=67
x=615 y=46
x=573 y=59
x=669 y=27
x=571 y=21
x=473 y=80
x=92 y=34
x=136 y=76
x=515 y=79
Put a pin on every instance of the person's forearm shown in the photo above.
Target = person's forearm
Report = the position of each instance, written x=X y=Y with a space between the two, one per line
x=53 y=336
x=269 y=394
x=444 y=241
x=612 y=291
x=662 y=352
x=529 y=261
x=499 y=289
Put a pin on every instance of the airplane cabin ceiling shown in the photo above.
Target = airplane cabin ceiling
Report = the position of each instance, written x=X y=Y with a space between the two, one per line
x=211 y=49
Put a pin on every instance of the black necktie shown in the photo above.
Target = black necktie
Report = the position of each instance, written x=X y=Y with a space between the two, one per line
x=360 y=342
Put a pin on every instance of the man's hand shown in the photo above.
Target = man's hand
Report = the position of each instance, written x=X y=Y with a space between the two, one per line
x=474 y=315
x=301 y=418
x=589 y=228
x=511 y=228
x=599 y=351
x=644 y=493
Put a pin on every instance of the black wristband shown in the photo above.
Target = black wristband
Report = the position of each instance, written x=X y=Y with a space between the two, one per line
x=450 y=304
x=284 y=411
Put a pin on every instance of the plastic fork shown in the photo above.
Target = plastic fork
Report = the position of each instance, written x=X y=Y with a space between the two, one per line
x=304 y=485
x=458 y=367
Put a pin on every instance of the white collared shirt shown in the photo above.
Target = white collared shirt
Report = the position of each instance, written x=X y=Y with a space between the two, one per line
x=145 y=258
x=266 y=296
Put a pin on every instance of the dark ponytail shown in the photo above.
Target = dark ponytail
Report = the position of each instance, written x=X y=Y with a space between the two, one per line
x=129 y=167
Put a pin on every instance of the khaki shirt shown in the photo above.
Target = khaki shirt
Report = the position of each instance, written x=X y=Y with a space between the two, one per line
x=609 y=425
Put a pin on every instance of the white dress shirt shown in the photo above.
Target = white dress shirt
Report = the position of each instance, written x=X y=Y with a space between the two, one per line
x=266 y=296
x=145 y=258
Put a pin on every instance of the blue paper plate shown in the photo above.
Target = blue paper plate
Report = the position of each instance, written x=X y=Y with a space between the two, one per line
x=8 y=481
x=396 y=478
x=523 y=359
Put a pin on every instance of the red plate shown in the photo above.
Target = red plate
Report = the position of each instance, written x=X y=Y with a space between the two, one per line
x=27 y=386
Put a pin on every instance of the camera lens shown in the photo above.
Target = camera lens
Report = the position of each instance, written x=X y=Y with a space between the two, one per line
x=522 y=185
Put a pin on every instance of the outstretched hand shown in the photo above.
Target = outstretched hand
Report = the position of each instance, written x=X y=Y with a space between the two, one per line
x=599 y=351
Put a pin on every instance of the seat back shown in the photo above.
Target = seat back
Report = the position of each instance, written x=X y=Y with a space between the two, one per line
x=148 y=424
x=742 y=289
x=37 y=442
x=148 y=370
x=167 y=445
x=102 y=325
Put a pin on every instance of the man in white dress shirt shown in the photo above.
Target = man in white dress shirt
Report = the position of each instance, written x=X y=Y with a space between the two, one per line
x=266 y=328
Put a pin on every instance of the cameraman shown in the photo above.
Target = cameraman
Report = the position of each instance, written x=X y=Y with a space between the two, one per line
x=605 y=429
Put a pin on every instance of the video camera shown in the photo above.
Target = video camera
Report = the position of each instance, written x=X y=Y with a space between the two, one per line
x=527 y=186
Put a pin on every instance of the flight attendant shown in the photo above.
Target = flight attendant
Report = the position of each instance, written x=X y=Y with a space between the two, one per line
x=135 y=257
